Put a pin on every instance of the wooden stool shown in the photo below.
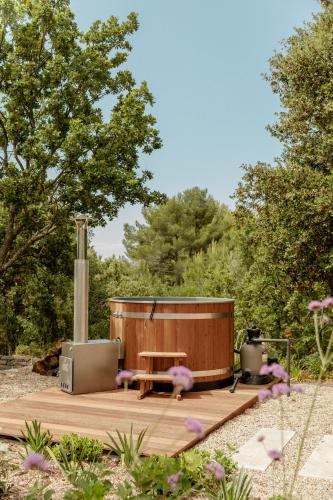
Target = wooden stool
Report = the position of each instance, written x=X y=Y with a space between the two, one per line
x=148 y=378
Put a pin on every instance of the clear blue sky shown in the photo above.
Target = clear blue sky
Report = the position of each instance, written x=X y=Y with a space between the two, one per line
x=203 y=62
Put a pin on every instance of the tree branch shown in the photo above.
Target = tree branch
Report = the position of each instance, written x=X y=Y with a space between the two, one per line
x=34 y=238
x=5 y=147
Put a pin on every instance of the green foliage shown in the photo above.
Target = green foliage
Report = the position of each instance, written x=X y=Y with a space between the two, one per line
x=184 y=225
x=237 y=489
x=150 y=476
x=302 y=76
x=90 y=486
x=33 y=349
x=67 y=463
x=5 y=467
x=85 y=449
x=34 y=439
x=59 y=156
x=285 y=216
x=230 y=467
x=38 y=491
x=127 y=449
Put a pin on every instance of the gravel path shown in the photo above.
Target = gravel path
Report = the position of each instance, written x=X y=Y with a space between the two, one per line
x=21 y=381
x=295 y=409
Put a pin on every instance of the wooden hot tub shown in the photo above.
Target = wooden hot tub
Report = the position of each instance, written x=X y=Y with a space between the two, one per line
x=201 y=327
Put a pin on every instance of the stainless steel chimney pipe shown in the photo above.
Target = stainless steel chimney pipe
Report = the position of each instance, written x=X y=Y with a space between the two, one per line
x=81 y=281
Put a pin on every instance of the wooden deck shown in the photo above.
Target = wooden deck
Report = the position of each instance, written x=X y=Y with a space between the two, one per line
x=96 y=414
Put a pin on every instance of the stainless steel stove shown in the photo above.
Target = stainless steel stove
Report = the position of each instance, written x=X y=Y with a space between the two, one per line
x=86 y=365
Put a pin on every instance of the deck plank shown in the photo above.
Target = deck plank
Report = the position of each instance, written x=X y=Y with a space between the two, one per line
x=94 y=415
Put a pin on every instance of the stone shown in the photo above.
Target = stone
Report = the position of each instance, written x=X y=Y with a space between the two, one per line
x=320 y=462
x=253 y=454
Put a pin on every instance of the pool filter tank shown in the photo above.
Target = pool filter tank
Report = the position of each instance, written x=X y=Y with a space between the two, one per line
x=86 y=365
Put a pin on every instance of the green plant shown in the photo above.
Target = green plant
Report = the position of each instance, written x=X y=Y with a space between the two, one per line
x=237 y=489
x=228 y=464
x=90 y=486
x=38 y=491
x=5 y=467
x=35 y=439
x=192 y=463
x=84 y=448
x=313 y=364
x=150 y=476
x=67 y=462
x=33 y=349
x=127 y=449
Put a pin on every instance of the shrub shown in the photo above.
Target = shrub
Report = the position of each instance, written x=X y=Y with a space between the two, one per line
x=127 y=450
x=84 y=448
x=151 y=474
x=34 y=439
x=33 y=349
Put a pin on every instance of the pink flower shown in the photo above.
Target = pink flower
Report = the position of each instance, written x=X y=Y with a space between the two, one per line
x=264 y=394
x=274 y=454
x=278 y=371
x=315 y=305
x=275 y=369
x=216 y=469
x=35 y=461
x=265 y=370
x=195 y=426
x=282 y=389
x=124 y=376
x=173 y=479
x=328 y=302
x=298 y=388
x=182 y=376
x=261 y=438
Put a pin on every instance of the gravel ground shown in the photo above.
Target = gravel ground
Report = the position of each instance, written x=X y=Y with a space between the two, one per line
x=21 y=381
x=237 y=431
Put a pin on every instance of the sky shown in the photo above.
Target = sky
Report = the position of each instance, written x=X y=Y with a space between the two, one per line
x=203 y=61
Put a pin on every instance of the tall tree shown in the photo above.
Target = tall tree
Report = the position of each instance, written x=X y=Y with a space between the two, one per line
x=285 y=217
x=58 y=155
x=302 y=76
x=176 y=230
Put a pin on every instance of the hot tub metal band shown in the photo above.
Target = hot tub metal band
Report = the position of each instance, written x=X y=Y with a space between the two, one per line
x=137 y=315
x=201 y=373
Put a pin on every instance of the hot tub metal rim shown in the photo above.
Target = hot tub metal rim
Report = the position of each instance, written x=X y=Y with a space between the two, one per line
x=173 y=300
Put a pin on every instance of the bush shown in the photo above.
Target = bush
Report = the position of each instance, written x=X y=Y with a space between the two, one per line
x=151 y=474
x=34 y=439
x=33 y=349
x=84 y=448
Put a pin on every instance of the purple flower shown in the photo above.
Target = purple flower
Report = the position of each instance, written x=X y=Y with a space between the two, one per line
x=328 y=302
x=195 y=426
x=298 y=388
x=182 y=376
x=261 y=438
x=265 y=370
x=124 y=376
x=282 y=389
x=172 y=480
x=278 y=371
x=315 y=305
x=274 y=454
x=264 y=394
x=36 y=461
x=216 y=469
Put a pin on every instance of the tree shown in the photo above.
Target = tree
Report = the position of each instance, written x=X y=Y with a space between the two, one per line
x=285 y=216
x=302 y=76
x=176 y=230
x=58 y=156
